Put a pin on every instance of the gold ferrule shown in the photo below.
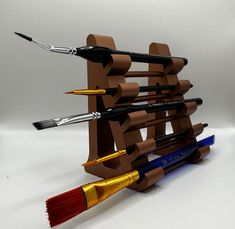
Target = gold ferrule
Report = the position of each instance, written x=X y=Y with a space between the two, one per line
x=98 y=191
x=90 y=92
x=106 y=158
x=111 y=156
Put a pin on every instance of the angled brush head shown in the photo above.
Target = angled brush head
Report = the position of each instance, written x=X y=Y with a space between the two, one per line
x=45 y=124
x=24 y=36
x=65 y=206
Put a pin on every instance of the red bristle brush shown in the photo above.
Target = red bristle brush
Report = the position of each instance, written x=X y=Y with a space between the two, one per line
x=69 y=204
x=65 y=206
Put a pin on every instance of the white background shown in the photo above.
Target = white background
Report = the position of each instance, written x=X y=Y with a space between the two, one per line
x=37 y=165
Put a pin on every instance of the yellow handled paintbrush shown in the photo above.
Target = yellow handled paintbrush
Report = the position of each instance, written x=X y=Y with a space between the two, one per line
x=112 y=91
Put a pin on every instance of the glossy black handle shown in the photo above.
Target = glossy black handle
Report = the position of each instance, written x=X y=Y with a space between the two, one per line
x=102 y=55
x=118 y=113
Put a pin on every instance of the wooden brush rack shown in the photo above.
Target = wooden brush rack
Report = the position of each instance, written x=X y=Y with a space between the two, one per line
x=103 y=134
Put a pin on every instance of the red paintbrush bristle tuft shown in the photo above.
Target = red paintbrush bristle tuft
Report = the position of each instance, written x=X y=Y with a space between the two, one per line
x=65 y=206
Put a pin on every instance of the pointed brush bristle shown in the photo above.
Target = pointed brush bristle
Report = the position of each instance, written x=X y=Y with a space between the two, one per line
x=24 y=36
x=65 y=206
x=45 y=124
x=89 y=163
x=77 y=92
x=68 y=92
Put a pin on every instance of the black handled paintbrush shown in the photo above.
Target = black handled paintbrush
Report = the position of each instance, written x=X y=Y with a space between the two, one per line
x=102 y=54
x=113 y=91
x=113 y=114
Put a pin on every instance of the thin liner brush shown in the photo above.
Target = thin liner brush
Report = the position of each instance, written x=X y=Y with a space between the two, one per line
x=113 y=91
x=71 y=203
x=102 y=54
x=130 y=149
x=113 y=114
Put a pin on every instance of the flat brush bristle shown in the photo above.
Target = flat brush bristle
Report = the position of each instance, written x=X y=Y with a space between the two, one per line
x=65 y=206
x=24 y=36
x=45 y=124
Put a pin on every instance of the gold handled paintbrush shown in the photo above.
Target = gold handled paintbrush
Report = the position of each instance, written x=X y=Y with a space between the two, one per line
x=71 y=203
x=112 y=91
x=129 y=150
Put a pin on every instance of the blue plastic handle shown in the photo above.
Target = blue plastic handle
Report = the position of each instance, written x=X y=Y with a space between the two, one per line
x=176 y=156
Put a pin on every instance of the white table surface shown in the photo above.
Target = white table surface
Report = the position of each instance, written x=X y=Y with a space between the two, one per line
x=36 y=165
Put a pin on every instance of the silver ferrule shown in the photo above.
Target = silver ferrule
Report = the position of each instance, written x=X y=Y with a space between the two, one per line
x=64 y=50
x=77 y=118
x=40 y=44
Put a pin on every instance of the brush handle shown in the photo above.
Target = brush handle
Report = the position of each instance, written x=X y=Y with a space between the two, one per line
x=118 y=113
x=147 y=58
x=113 y=91
x=176 y=156
x=161 y=139
x=157 y=88
x=102 y=55
x=170 y=105
x=165 y=138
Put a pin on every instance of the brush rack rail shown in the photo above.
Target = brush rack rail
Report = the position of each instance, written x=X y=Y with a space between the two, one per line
x=103 y=134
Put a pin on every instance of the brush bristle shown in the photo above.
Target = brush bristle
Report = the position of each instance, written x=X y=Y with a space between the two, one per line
x=45 y=124
x=68 y=92
x=65 y=206
x=24 y=36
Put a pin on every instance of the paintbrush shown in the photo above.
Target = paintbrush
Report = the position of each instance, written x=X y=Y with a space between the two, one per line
x=71 y=203
x=102 y=54
x=158 y=142
x=113 y=114
x=113 y=91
